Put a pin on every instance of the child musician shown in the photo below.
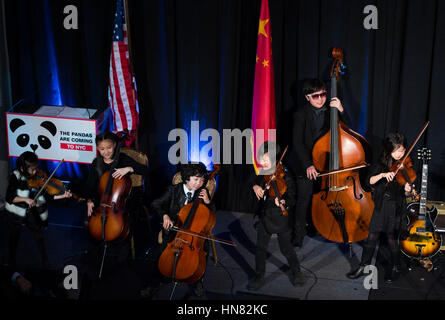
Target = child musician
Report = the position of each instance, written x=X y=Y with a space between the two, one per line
x=23 y=210
x=390 y=200
x=107 y=144
x=194 y=177
x=273 y=221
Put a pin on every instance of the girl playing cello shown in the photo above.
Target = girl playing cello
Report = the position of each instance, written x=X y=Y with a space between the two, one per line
x=107 y=144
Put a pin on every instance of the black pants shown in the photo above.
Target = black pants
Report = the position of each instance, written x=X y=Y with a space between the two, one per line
x=15 y=230
x=371 y=244
x=286 y=248
x=304 y=196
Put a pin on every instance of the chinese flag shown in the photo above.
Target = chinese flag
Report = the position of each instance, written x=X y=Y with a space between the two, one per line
x=263 y=109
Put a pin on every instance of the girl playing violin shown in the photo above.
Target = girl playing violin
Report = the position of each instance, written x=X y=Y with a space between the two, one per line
x=23 y=210
x=390 y=200
x=273 y=221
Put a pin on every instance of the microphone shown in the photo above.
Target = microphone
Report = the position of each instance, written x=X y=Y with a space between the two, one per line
x=22 y=100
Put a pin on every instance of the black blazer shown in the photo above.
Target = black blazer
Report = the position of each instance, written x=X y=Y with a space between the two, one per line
x=304 y=135
x=173 y=200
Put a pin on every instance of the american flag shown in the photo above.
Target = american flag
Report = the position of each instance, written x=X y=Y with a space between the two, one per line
x=122 y=97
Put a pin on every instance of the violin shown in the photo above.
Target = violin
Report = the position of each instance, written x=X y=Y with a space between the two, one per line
x=184 y=258
x=110 y=220
x=405 y=172
x=403 y=169
x=277 y=182
x=52 y=186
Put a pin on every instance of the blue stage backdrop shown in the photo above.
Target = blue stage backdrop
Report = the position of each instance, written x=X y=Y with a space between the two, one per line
x=194 y=61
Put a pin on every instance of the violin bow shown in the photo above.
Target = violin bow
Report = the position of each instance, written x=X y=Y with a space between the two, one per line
x=343 y=170
x=276 y=166
x=231 y=243
x=46 y=182
x=412 y=146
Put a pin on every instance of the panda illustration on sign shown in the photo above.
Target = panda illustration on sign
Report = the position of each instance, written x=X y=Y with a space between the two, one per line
x=38 y=139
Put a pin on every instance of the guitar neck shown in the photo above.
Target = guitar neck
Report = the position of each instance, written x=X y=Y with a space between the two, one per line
x=423 y=192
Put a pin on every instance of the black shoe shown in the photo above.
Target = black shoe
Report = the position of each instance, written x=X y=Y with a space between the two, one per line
x=297 y=242
x=393 y=274
x=357 y=273
x=297 y=278
x=45 y=264
x=257 y=282
x=149 y=292
x=298 y=236
x=413 y=263
x=198 y=288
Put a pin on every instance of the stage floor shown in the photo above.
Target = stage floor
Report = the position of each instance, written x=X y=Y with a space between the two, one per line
x=324 y=265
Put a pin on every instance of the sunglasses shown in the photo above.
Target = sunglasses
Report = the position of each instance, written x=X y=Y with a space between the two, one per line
x=317 y=96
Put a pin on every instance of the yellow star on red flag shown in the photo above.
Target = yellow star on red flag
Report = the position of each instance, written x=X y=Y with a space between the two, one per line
x=262 y=26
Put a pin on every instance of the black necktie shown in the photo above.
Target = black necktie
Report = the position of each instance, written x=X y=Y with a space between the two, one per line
x=189 y=197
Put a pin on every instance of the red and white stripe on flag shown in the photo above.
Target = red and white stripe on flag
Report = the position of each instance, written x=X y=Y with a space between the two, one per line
x=122 y=99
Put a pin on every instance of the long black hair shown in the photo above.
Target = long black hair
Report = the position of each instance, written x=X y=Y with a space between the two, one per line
x=107 y=135
x=392 y=142
x=26 y=160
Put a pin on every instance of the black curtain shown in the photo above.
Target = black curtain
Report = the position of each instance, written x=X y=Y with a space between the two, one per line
x=194 y=60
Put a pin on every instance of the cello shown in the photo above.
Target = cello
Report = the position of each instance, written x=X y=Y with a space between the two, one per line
x=342 y=210
x=184 y=258
x=110 y=220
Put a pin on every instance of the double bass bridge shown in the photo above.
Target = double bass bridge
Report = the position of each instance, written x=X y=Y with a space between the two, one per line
x=334 y=188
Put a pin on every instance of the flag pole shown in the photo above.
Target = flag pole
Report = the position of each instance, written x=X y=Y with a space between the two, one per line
x=130 y=58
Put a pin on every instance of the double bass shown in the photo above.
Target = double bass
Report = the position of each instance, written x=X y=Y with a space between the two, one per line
x=342 y=210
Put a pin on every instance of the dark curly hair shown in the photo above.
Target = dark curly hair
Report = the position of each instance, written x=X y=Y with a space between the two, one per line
x=26 y=160
x=194 y=169
x=392 y=142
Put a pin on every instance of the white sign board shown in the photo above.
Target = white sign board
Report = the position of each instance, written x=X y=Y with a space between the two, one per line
x=51 y=138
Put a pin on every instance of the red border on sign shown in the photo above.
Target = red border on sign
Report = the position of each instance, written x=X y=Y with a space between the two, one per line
x=41 y=116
